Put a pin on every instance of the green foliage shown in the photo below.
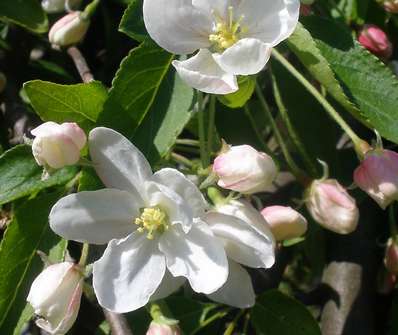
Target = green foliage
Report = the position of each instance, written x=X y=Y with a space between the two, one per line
x=135 y=87
x=132 y=23
x=26 y=13
x=81 y=103
x=368 y=83
x=238 y=99
x=277 y=314
x=20 y=175
x=19 y=264
x=169 y=114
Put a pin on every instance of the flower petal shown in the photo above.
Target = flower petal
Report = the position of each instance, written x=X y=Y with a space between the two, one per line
x=177 y=209
x=117 y=161
x=128 y=273
x=198 y=256
x=270 y=21
x=168 y=286
x=242 y=242
x=247 y=56
x=203 y=73
x=95 y=217
x=238 y=290
x=186 y=189
x=176 y=25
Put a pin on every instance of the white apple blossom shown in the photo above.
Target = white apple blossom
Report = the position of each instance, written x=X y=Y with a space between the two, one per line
x=151 y=222
x=234 y=37
x=247 y=240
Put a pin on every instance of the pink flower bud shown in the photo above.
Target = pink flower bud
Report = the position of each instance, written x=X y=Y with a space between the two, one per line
x=162 y=329
x=55 y=297
x=57 y=145
x=391 y=257
x=391 y=6
x=305 y=10
x=69 y=30
x=377 y=175
x=285 y=222
x=243 y=169
x=376 y=41
x=332 y=207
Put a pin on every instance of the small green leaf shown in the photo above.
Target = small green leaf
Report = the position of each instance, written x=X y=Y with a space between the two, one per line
x=166 y=119
x=238 y=99
x=278 y=314
x=19 y=264
x=135 y=87
x=20 y=175
x=26 y=13
x=132 y=23
x=81 y=103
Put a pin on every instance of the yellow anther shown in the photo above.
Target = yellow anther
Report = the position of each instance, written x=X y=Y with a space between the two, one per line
x=152 y=220
x=226 y=34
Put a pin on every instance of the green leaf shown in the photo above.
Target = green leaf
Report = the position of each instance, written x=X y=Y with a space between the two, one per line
x=81 y=103
x=135 y=87
x=26 y=13
x=166 y=119
x=132 y=23
x=20 y=175
x=277 y=314
x=19 y=265
x=238 y=99
x=368 y=83
x=306 y=49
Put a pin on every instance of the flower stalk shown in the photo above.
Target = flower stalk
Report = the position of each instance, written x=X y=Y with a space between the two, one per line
x=360 y=145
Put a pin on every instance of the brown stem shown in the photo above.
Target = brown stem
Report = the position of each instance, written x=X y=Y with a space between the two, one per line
x=118 y=323
x=81 y=64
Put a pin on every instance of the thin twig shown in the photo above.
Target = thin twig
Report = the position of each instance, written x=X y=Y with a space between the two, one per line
x=118 y=323
x=81 y=64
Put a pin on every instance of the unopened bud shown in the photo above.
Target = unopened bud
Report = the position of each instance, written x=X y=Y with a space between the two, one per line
x=55 y=297
x=332 y=207
x=390 y=6
x=377 y=175
x=243 y=169
x=156 y=328
x=69 y=30
x=376 y=41
x=57 y=145
x=285 y=222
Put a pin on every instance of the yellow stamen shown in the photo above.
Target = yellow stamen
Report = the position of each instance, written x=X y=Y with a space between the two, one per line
x=152 y=220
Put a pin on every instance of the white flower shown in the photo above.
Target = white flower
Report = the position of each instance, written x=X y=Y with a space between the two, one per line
x=247 y=240
x=58 y=145
x=55 y=296
x=151 y=223
x=234 y=37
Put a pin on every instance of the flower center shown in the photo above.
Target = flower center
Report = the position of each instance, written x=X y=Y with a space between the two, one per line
x=226 y=34
x=152 y=220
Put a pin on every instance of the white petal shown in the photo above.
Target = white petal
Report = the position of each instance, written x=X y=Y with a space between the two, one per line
x=247 y=56
x=95 y=217
x=168 y=286
x=270 y=21
x=218 y=7
x=242 y=242
x=198 y=256
x=203 y=73
x=177 y=209
x=186 y=189
x=128 y=273
x=238 y=290
x=176 y=25
x=117 y=161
